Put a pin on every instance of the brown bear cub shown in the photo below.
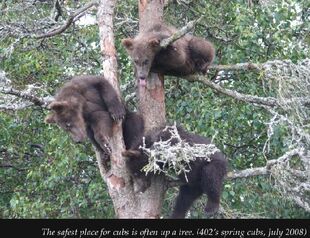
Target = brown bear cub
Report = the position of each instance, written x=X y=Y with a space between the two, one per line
x=204 y=176
x=86 y=106
x=185 y=56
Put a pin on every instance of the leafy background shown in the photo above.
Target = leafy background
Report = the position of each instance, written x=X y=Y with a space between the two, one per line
x=43 y=174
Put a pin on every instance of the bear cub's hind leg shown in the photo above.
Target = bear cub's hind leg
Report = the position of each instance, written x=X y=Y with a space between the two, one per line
x=202 y=53
x=211 y=184
x=187 y=195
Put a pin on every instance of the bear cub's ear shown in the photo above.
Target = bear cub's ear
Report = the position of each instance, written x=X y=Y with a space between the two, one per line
x=128 y=43
x=58 y=106
x=154 y=42
x=50 y=119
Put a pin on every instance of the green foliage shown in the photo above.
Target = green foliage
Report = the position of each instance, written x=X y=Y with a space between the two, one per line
x=245 y=198
x=51 y=177
x=240 y=34
x=47 y=176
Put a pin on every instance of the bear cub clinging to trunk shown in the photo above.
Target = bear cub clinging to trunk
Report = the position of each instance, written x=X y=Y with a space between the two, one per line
x=204 y=176
x=86 y=106
x=185 y=56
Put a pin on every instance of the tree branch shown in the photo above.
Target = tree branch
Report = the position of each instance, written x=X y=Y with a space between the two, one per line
x=266 y=101
x=262 y=170
x=236 y=67
x=270 y=70
x=69 y=21
x=252 y=172
x=9 y=102
x=42 y=102
x=57 y=11
x=178 y=34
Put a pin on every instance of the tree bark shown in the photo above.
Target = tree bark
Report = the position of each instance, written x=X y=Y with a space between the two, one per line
x=127 y=203
x=152 y=97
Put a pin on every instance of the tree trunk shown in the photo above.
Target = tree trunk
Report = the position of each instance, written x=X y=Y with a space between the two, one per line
x=127 y=203
x=152 y=97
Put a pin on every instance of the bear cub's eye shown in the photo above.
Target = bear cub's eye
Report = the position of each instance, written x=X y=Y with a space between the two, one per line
x=68 y=125
x=146 y=62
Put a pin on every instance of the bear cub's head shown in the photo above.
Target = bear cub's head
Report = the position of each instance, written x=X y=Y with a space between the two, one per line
x=68 y=116
x=142 y=52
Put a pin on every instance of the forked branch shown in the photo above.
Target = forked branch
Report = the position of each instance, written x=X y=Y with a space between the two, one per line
x=68 y=22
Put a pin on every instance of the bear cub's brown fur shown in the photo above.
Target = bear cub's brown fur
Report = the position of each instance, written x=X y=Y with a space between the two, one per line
x=185 y=56
x=86 y=106
x=204 y=177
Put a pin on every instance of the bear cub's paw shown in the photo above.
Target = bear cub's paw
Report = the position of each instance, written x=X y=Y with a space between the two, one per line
x=117 y=113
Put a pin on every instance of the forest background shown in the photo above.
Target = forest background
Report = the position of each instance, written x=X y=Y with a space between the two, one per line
x=43 y=174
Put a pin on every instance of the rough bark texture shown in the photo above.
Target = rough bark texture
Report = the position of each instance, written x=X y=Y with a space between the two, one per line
x=117 y=176
x=152 y=97
x=127 y=203
x=152 y=104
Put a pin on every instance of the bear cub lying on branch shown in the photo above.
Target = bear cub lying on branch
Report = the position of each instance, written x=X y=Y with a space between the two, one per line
x=204 y=176
x=87 y=106
x=185 y=56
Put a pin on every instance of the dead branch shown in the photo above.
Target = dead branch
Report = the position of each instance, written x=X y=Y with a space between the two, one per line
x=37 y=101
x=57 y=11
x=178 y=34
x=19 y=99
x=69 y=21
x=13 y=107
x=259 y=171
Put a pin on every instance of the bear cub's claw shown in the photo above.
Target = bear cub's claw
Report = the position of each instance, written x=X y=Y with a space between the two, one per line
x=107 y=148
x=118 y=114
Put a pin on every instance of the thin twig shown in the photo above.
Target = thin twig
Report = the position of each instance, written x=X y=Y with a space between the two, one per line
x=69 y=21
x=178 y=34
x=57 y=10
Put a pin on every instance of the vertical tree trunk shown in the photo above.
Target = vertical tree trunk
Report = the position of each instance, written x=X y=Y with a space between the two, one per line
x=152 y=97
x=127 y=203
